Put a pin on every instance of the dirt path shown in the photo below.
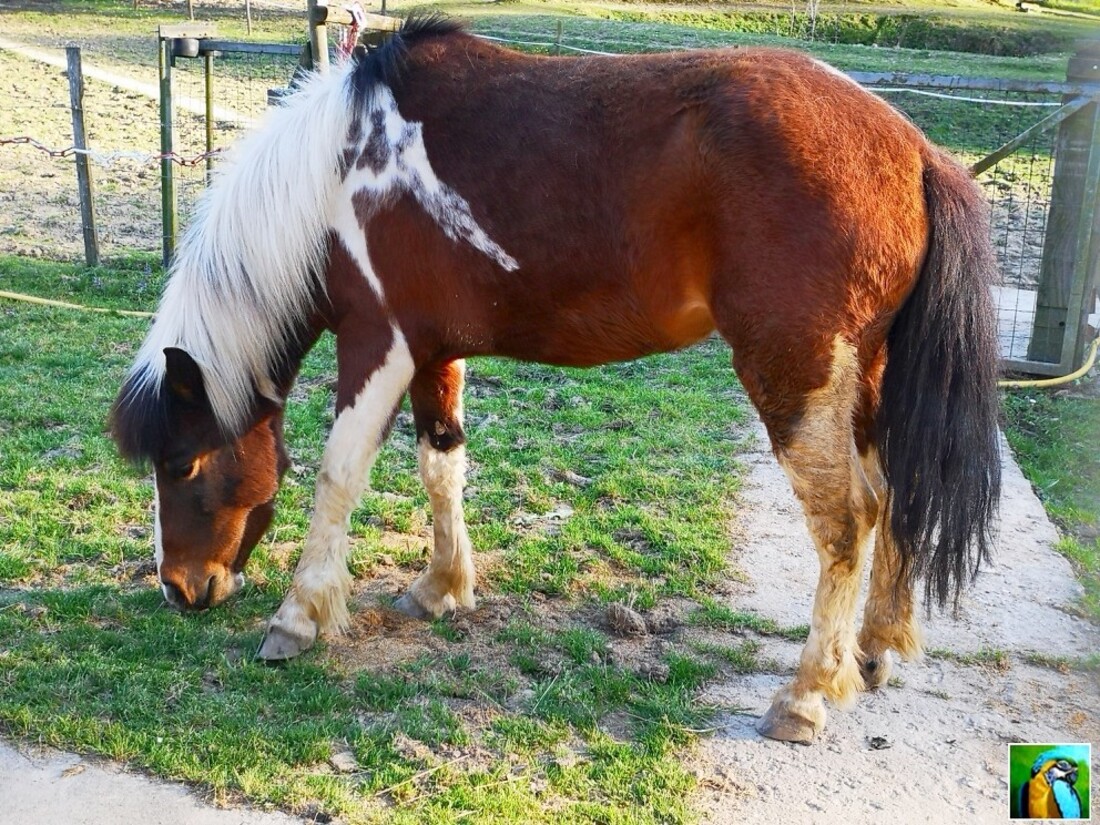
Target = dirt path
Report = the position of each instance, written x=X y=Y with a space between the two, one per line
x=947 y=722
x=50 y=786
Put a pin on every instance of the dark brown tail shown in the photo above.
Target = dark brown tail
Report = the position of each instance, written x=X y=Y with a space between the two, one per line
x=937 y=423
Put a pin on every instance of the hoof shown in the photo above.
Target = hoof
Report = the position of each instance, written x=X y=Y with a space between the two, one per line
x=785 y=726
x=876 y=670
x=279 y=644
x=412 y=608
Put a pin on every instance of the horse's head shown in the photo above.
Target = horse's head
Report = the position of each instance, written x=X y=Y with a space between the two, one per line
x=214 y=497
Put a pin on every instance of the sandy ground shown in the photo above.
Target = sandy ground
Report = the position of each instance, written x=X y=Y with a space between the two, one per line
x=39 y=206
x=947 y=725
x=47 y=786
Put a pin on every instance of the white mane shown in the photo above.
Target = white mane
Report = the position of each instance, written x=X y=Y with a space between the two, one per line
x=245 y=269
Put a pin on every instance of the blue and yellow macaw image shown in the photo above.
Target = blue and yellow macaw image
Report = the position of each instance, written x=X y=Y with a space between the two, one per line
x=1049 y=781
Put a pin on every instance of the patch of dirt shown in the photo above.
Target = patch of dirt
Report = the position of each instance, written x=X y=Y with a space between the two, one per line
x=944 y=722
x=1086 y=387
x=381 y=638
x=38 y=194
x=1019 y=216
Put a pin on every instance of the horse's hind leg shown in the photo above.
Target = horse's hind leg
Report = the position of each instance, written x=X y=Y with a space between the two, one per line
x=374 y=375
x=448 y=583
x=817 y=450
x=889 y=621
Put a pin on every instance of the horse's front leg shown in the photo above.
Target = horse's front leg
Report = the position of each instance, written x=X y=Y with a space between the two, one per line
x=370 y=388
x=448 y=583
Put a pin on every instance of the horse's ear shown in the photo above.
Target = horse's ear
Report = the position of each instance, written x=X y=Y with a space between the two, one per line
x=184 y=377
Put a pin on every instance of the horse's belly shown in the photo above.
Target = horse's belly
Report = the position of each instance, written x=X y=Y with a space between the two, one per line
x=602 y=330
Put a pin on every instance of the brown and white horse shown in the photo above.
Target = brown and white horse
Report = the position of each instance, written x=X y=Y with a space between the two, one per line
x=441 y=197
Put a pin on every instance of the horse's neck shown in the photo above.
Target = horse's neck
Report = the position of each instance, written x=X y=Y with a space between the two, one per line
x=298 y=346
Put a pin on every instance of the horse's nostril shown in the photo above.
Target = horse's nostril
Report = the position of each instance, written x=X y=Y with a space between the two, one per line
x=177 y=594
x=174 y=593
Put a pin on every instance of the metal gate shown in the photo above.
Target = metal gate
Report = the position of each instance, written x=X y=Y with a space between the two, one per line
x=211 y=91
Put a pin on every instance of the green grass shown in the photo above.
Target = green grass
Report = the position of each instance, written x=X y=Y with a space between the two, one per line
x=1054 y=438
x=617 y=35
x=564 y=730
x=1002 y=35
x=740 y=658
x=721 y=617
x=983 y=657
x=1065 y=664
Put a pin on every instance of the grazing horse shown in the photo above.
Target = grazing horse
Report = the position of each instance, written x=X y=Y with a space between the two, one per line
x=440 y=197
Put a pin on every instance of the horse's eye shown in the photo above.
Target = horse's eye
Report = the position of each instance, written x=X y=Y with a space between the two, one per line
x=183 y=470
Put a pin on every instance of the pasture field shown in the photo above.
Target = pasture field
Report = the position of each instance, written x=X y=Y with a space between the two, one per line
x=586 y=488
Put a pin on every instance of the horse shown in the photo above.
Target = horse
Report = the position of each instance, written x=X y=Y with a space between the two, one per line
x=440 y=197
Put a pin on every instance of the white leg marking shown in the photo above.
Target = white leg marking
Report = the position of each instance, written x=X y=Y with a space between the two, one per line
x=318 y=598
x=840 y=508
x=448 y=583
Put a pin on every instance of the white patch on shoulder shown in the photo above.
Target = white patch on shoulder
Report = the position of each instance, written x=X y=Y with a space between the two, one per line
x=354 y=238
x=391 y=159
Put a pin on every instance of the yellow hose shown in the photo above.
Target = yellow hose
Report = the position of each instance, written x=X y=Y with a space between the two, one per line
x=47 y=302
x=1062 y=379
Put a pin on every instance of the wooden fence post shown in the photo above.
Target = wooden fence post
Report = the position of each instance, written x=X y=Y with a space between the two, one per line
x=208 y=77
x=1070 y=223
x=167 y=180
x=80 y=141
x=318 y=34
